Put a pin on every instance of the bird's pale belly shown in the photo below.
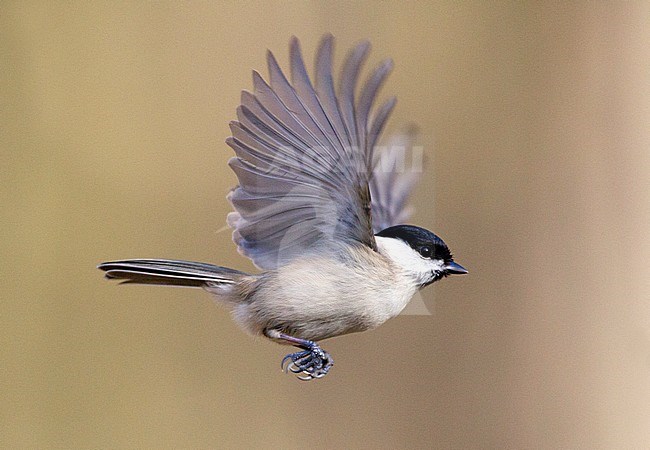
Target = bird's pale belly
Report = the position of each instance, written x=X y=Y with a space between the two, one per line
x=319 y=304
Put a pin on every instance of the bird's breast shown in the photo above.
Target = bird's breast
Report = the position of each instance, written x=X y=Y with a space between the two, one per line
x=365 y=290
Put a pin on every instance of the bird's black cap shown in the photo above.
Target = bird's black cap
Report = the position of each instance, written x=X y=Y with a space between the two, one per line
x=418 y=238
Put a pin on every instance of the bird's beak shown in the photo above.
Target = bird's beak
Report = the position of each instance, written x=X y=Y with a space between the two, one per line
x=454 y=268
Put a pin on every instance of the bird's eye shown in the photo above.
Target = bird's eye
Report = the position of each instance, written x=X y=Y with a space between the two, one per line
x=426 y=252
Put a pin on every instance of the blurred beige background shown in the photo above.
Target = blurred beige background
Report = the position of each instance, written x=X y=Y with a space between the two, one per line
x=113 y=118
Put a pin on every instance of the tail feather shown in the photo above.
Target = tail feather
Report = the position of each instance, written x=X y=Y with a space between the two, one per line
x=169 y=272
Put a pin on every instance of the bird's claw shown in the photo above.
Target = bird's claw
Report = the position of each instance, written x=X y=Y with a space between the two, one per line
x=311 y=363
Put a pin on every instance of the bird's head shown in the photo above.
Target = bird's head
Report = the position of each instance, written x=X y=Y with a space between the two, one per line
x=419 y=252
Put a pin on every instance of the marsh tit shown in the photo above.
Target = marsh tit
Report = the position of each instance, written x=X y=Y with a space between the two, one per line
x=316 y=210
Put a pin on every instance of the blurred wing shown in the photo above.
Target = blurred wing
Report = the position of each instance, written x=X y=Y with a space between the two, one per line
x=396 y=171
x=304 y=156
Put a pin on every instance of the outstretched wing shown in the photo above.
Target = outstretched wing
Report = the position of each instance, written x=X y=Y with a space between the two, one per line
x=304 y=157
x=397 y=169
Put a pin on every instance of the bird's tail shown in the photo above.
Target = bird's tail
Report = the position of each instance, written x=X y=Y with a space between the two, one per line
x=170 y=273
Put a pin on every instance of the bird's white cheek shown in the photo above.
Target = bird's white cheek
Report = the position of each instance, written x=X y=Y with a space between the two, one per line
x=408 y=259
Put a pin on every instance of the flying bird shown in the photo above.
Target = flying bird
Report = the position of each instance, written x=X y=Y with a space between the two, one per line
x=317 y=210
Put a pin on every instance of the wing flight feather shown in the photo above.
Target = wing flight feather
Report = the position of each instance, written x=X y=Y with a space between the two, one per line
x=303 y=156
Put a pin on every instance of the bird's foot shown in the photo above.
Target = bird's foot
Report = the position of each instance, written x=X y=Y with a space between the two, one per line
x=311 y=363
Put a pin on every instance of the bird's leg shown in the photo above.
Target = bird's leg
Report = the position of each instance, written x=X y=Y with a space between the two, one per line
x=310 y=363
x=313 y=362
